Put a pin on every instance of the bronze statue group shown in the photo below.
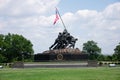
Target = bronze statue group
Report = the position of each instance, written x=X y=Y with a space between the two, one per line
x=64 y=40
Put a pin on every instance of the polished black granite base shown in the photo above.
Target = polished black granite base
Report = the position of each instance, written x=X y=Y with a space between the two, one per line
x=59 y=57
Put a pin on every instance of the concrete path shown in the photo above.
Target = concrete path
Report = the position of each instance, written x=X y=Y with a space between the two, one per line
x=57 y=65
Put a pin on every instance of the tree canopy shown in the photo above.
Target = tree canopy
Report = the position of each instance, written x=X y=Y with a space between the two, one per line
x=117 y=52
x=14 y=47
x=92 y=49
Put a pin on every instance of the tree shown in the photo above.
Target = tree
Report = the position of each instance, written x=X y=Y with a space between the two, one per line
x=114 y=57
x=117 y=52
x=108 y=57
x=2 y=57
x=100 y=57
x=92 y=49
x=14 y=47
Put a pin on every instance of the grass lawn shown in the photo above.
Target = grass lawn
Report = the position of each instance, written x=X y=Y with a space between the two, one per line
x=100 y=73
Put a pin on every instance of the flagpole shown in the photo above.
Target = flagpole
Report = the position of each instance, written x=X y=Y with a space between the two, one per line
x=61 y=19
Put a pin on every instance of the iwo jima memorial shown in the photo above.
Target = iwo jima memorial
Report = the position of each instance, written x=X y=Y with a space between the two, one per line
x=63 y=49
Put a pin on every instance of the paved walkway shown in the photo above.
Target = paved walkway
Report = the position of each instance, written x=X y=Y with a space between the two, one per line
x=57 y=65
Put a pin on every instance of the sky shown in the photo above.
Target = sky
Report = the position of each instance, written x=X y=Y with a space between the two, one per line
x=97 y=20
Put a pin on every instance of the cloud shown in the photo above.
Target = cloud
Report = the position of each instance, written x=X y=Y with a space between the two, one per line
x=29 y=18
x=102 y=27
x=3 y=3
x=109 y=14
x=34 y=20
x=26 y=7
